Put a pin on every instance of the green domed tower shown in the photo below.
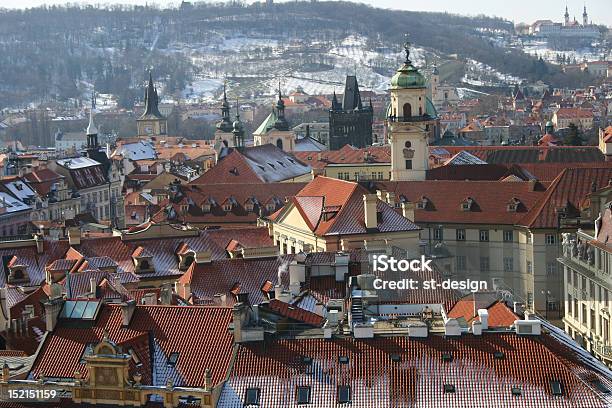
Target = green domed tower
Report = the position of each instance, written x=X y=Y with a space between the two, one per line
x=411 y=119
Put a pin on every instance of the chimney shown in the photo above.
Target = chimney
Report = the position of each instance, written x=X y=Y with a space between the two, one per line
x=93 y=286
x=127 y=311
x=341 y=265
x=240 y=317
x=166 y=294
x=483 y=314
x=517 y=307
x=297 y=272
x=183 y=290
x=408 y=210
x=219 y=299
x=369 y=211
x=294 y=288
x=52 y=311
x=149 y=299
x=3 y=304
x=74 y=236
x=278 y=292
x=476 y=328
x=391 y=198
x=451 y=328
x=40 y=247
x=207 y=380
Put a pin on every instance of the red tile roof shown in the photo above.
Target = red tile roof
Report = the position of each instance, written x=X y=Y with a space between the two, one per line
x=346 y=155
x=490 y=200
x=342 y=203
x=199 y=334
x=567 y=191
x=574 y=113
x=294 y=313
x=418 y=379
x=500 y=315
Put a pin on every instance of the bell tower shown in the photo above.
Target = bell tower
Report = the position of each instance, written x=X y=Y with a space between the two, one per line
x=409 y=119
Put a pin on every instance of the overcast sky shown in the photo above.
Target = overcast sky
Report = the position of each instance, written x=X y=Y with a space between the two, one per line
x=600 y=11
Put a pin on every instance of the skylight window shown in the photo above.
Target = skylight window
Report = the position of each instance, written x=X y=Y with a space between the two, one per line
x=303 y=395
x=600 y=386
x=343 y=360
x=252 y=396
x=306 y=360
x=344 y=394
x=396 y=358
x=449 y=388
x=172 y=359
x=447 y=357
x=517 y=391
x=499 y=355
x=556 y=387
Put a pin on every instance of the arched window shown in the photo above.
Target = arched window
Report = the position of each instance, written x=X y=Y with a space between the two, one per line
x=144 y=265
x=279 y=143
x=420 y=111
x=189 y=260
x=407 y=110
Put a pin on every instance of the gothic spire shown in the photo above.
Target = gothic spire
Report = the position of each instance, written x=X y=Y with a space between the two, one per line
x=91 y=128
x=151 y=100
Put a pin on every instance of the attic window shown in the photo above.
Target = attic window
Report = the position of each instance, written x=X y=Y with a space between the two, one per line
x=172 y=359
x=306 y=360
x=449 y=388
x=344 y=394
x=206 y=208
x=600 y=386
x=513 y=204
x=516 y=391
x=499 y=355
x=261 y=167
x=467 y=204
x=281 y=163
x=396 y=358
x=252 y=396
x=556 y=387
x=447 y=357
x=422 y=204
x=291 y=160
x=227 y=207
x=271 y=165
x=303 y=395
x=343 y=360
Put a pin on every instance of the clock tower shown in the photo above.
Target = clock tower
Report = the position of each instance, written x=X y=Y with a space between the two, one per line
x=152 y=122
x=410 y=120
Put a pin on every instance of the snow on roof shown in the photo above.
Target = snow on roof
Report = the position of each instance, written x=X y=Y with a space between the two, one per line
x=77 y=163
x=20 y=189
x=464 y=157
x=9 y=204
x=141 y=150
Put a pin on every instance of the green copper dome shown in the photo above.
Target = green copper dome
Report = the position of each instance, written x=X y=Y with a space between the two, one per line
x=408 y=77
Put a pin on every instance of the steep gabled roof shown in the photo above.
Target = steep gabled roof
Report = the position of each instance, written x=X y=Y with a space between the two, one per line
x=567 y=191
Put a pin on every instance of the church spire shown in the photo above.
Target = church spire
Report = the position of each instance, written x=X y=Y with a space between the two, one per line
x=281 y=122
x=151 y=100
x=237 y=129
x=225 y=125
x=92 y=130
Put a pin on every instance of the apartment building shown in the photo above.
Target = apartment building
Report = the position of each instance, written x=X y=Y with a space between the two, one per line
x=587 y=266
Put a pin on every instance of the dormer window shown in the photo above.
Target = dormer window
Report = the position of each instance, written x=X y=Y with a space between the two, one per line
x=248 y=207
x=227 y=207
x=466 y=205
x=206 y=207
x=270 y=207
x=422 y=203
x=513 y=204
x=184 y=208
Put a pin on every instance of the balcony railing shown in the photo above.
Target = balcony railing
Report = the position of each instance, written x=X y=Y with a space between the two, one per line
x=420 y=118
x=604 y=350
